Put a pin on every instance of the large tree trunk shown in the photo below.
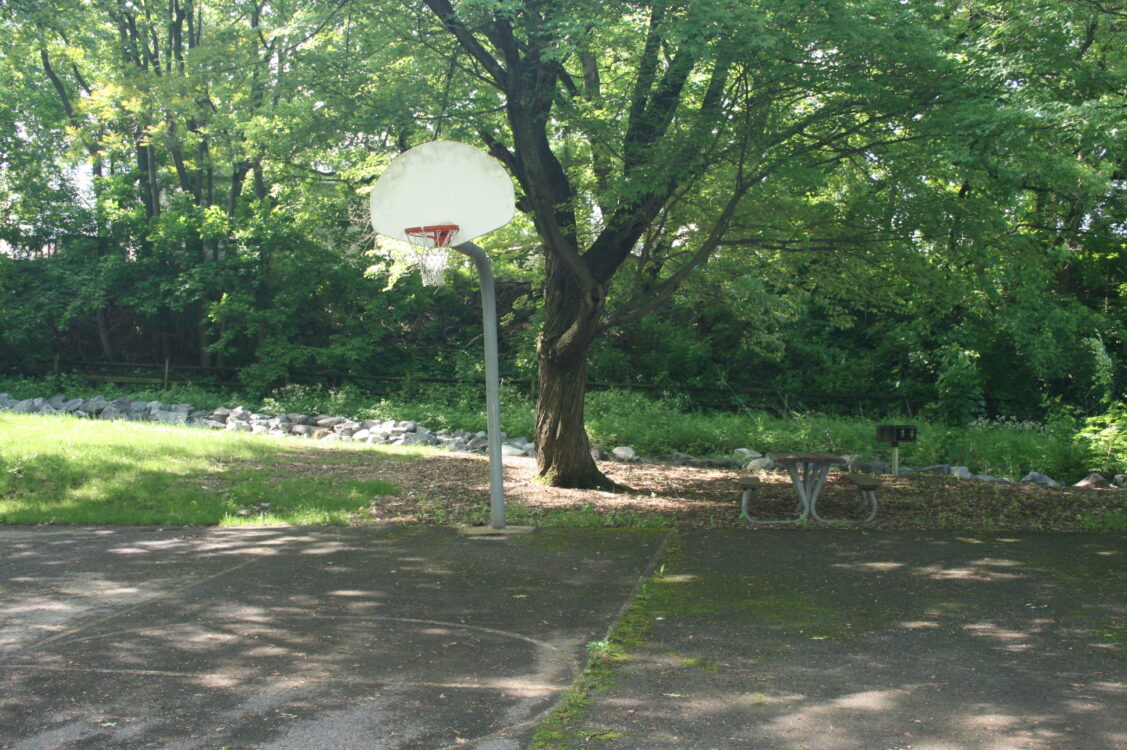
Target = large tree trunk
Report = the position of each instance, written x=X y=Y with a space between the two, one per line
x=563 y=455
x=571 y=314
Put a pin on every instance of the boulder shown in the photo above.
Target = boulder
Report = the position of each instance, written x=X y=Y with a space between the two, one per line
x=1036 y=477
x=961 y=472
x=70 y=406
x=624 y=453
x=1120 y=480
x=112 y=412
x=746 y=454
x=169 y=416
x=511 y=450
x=94 y=405
x=29 y=406
x=456 y=445
x=1098 y=481
x=760 y=464
x=418 y=438
x=872 y=467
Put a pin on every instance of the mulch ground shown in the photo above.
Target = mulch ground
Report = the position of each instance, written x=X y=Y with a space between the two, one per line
x=454 y=489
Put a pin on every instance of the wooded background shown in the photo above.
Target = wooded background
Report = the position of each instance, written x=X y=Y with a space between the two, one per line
x=183 y=181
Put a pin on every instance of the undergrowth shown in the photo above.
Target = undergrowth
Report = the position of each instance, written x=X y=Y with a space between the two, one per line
x=656 y=427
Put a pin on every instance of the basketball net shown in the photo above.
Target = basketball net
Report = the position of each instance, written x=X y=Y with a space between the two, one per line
x=430 y=250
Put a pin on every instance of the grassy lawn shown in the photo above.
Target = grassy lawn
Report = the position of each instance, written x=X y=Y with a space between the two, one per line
x=60 y=470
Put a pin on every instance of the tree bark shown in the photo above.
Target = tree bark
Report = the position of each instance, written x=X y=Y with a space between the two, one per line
x=572 y=310
x=563 y=453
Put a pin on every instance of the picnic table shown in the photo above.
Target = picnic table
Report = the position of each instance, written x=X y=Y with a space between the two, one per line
x=808 y=472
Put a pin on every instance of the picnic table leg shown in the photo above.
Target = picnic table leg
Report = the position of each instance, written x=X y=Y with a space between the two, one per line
x=820 y=472
x=799 y=481
x=868 y=497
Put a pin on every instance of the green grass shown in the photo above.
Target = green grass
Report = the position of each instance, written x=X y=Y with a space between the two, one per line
x=60 y=470
x=562 y=727
x=656 y=427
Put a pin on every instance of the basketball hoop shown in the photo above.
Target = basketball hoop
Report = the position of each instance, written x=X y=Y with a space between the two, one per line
x=430 y=250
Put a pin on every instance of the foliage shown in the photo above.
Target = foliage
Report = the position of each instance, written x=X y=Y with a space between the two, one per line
x=1103 y=441
x=909 y=204
x=958 y=387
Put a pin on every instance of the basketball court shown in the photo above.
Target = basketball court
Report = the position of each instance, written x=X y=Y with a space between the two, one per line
x=299 y=637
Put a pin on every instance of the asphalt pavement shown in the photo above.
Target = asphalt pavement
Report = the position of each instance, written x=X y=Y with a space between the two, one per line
x=372 y=638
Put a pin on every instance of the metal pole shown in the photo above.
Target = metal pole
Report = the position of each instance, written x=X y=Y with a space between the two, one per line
x=492 y=381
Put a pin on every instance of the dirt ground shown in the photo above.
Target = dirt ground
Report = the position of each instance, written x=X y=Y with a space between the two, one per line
x=454 y=489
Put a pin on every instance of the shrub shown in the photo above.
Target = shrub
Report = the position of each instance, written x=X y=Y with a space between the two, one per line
x=1103 y=441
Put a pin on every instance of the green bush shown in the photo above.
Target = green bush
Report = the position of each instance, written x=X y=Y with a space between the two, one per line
x=1103 y=442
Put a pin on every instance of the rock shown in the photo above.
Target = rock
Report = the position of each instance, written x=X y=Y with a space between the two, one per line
x=598 y=454
x=938 y=469
x=760 y=464
x=330 y=422
x=511 y=450
x=872 y=467
x=94 y=405
x=1098 y=481
x=320 y=433
x=1036 y=477
x=418 y=438
x=681 y=459
x=746 y=454
x=361 y=434
x=70 y=406
x=1120 y=480
x=961 y=472
x=168 y=416
x=112 y=412
x=624 y=453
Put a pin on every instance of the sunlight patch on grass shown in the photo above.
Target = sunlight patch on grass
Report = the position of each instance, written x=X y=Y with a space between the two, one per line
x=65 y=471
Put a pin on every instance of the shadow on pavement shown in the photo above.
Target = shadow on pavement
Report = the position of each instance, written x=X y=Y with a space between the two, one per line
x=835 y=641
x=298 y=637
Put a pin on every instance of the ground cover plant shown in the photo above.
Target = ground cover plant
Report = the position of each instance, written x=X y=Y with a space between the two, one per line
x=1063 y=446
x=61 y=470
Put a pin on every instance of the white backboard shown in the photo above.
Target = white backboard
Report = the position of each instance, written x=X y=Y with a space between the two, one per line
x=442 y=182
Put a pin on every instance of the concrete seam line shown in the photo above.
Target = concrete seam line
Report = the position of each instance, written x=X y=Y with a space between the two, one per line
x=644 y=577
x=128 y=610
